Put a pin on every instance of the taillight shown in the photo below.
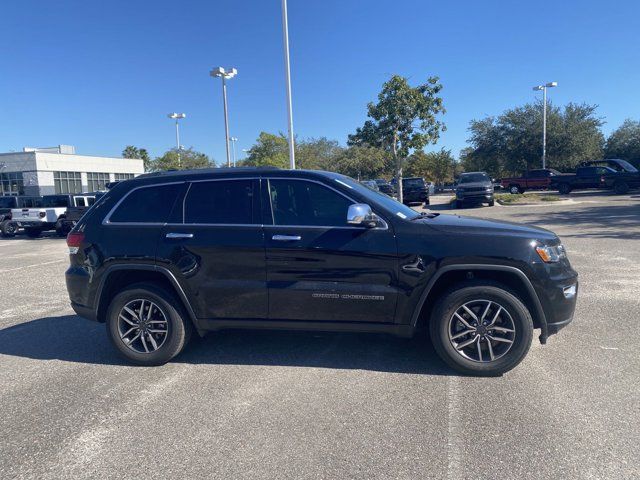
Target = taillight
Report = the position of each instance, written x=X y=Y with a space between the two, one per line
x=74 y=240
x=42 y=214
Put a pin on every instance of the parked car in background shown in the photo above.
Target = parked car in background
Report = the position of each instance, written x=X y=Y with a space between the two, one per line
x=50 y=213
x=370 y=184
x=474 y=188
x=540 y=179
x=170 y=253
x=626 y=176
x=385 y=187
x=414 y=190
x=8 y=227
x=584 y=178
x=73 y=214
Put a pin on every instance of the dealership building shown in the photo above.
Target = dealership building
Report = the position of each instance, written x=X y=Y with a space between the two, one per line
x=46 y=171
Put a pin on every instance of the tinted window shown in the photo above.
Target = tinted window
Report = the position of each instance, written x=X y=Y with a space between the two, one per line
x=228 y=201
x=474 y=177
x=537 y=174
x=55 y=201
x=587 y=171
x=147 y=205
x=413 y=182
x=296 y=202
x=7 y=202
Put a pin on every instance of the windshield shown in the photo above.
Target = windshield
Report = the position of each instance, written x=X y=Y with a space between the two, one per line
x=388 y=203
x=54 y=201
x=413 y=182
x=473 y=178
x=627 y=166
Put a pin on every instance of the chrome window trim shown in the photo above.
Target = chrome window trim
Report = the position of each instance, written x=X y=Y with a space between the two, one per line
x=384 y=227
x=107 y=218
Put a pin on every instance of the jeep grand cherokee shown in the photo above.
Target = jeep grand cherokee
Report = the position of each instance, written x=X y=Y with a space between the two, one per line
x=168 y=253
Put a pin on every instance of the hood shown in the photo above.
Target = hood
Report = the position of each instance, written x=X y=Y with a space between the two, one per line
x=468 y=225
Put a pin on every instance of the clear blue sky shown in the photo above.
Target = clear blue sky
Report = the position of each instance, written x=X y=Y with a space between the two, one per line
x=101 y=75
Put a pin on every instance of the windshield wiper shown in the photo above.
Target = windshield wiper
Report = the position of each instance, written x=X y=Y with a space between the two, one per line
x=426 y=215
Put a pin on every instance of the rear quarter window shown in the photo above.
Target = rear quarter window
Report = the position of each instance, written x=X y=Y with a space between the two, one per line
x=151 y=204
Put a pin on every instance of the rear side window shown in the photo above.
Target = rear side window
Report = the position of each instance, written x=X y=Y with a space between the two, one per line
x=216 y=202
x=147 y=205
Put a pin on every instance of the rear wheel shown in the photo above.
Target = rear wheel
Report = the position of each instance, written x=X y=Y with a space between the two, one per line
x=8 y=228
x=514 y=189
x=481 y=329
x=620 y=187
x=33 y=232
x=147 y=326
x=61 y=229
x=564 y=188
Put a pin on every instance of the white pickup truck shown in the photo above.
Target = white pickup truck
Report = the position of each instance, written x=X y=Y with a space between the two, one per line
x=50 y=214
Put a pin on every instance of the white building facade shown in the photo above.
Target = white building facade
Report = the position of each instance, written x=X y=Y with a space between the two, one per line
x=56 y=170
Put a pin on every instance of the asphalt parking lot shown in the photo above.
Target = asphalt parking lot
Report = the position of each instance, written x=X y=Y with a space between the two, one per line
x=298 y=405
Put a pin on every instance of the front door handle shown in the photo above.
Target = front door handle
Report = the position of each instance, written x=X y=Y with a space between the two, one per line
x=286 y=238
x=179 y=235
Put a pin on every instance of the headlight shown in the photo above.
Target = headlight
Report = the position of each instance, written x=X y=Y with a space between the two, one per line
x=551 y=254
x=489 y=189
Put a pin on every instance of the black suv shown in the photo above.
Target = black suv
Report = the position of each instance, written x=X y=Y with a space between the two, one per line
x=166 y=253
x=414 y=190
x=474 y=188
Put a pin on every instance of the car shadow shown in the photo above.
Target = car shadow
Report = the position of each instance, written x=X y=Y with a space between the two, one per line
x=72 y=339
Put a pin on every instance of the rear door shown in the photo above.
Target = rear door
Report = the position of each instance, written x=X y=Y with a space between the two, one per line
x=320 y=268
x=214 y=246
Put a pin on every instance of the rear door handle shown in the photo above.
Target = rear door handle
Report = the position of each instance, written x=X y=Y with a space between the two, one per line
x=179 y=235
x=286 y=238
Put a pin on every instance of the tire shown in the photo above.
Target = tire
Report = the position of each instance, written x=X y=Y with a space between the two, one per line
x=426 y=202
x=513 y=316
x=178 y=326
x=620 y=187
x=458 y=204
x=492 y=202
x=8 y=228
x=61 y=230
x=33 y=232
x=514 y=189
x=564 y=188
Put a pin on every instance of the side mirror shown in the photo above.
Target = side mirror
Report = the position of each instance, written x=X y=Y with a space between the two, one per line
x=361 y=214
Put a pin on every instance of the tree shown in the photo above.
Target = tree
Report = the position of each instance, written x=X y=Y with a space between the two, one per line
x=188 y=159
x=512 y=142
x=269 y=151
x=624 y=142
x=361 y=162
x=437 y=166
x=317 y=153
x=140 y=153
x=403 y=119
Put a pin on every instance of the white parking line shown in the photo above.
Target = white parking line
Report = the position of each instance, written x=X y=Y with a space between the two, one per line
x=29 y=266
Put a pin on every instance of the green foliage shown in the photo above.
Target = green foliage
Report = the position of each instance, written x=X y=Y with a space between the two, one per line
x=140 y=153
x=185 y=159
x=269 y=151
x=438 y=166
x=624 y=142
x=512 y=142
x=403 y=119
x=361 y=162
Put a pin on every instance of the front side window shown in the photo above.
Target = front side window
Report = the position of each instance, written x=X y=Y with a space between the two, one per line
x=220 y=202
x=147 y=205
x=296 y=202
x=67 y=182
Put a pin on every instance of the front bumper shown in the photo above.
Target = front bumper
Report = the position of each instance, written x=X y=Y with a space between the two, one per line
x=474 y=196
x=411 y=197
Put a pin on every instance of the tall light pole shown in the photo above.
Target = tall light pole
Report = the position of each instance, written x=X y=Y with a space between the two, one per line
x=233 y=142
x=176 y=117
x=287 y=70
x=544 y=118
x=225 y=74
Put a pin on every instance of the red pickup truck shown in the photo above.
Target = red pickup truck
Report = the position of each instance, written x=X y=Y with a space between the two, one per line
x=532 y=180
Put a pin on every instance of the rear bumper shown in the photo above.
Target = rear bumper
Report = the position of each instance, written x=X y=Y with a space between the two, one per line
x=84 y=311
x=35 y=224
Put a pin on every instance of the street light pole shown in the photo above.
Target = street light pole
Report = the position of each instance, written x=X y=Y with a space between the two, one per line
x=287 y=69
x=225 y=74
x=176 y=117
x=233 y=142
x=544 y=118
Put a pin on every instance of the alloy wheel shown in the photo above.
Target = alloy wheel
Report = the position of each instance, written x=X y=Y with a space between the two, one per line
x=481 y=331
x=143 y=326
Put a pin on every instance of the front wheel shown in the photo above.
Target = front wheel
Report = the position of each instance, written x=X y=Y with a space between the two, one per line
x=514 y=189
x=147 y=325
x=564 y=188
x=492 y=202
x=482 y=330
x=620 y=188
x=8 y=228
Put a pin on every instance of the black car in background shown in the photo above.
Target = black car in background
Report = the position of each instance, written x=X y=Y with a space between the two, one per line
x=474 y=188
x=168 y=253
x=414 y=190
x=385 y=187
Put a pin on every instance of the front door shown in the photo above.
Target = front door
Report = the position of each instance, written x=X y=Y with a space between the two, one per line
x=320 y=268
x=215 y=248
